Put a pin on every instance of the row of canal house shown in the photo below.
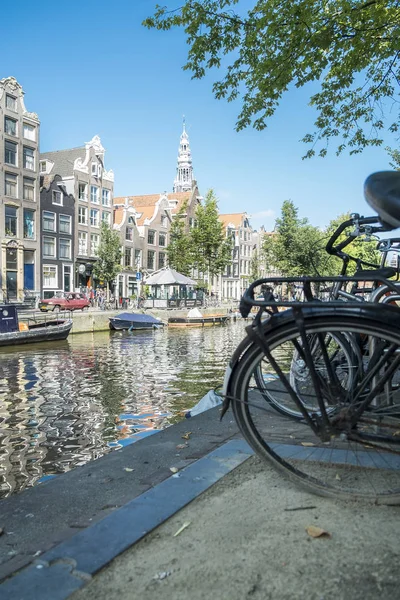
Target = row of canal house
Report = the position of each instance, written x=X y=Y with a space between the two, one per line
x=52 y=205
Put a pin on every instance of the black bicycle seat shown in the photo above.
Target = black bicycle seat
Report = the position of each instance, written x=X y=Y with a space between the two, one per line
x=382 y=192
x=384 y=273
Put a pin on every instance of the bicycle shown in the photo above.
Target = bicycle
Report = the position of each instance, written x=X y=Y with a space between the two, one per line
x=347 y=443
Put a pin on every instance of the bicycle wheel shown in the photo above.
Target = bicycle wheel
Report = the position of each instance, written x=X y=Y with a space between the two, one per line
x=356 y=454
x=343 y=354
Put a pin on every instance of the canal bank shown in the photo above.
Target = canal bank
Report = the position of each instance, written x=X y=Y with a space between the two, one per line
x=225 y=526
x=42 y=517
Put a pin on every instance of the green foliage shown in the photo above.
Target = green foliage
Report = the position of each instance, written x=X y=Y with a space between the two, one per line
x=205 y=247
x=211 y=249
x=350 y=48
x=108 y=263
x=395 y=156
x=298 y=248
x=178 y=251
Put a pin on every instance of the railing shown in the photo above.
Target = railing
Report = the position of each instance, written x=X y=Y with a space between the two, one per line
x=172 y=302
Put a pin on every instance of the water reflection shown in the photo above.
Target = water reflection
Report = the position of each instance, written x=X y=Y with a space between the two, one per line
x=65 y=403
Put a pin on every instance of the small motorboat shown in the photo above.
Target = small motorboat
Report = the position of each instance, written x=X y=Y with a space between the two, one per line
x=134 y=321
x=13 y=331
x=194 y=318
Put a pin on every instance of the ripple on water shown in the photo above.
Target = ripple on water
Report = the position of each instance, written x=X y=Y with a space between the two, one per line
x=66 y=403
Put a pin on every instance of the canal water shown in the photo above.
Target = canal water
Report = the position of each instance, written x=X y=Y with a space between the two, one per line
x=63 y=404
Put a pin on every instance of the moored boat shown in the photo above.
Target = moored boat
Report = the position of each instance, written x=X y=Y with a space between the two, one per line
x=207 y=321
x=133 y=321
x=13 y=332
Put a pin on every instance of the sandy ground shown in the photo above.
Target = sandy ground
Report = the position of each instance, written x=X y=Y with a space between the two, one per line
x=245 y=541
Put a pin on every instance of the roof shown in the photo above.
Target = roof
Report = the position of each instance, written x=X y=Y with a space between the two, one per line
x=146 y=212
x=169 y=276
x=64 y=159
x=118 y=215
x=234 y=219
x=150 y=200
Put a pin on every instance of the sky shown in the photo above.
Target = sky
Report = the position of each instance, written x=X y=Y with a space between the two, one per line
x=91 y=68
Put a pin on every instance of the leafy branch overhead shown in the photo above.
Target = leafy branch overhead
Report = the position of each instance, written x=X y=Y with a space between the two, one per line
x=350 y=49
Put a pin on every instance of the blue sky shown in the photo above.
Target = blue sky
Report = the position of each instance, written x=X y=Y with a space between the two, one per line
x=90 y=68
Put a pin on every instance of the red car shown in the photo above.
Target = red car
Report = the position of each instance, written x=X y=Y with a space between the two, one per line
x=65 y=301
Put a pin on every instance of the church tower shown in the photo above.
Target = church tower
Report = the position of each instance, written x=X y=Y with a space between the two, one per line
x=184 y=170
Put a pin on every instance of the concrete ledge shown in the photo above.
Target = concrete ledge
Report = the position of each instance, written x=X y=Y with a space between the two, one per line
x=42 y=516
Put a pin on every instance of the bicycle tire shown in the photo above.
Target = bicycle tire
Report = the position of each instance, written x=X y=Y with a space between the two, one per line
x=302 y=457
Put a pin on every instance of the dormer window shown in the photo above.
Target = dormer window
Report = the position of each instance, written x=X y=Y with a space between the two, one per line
x=42 y=166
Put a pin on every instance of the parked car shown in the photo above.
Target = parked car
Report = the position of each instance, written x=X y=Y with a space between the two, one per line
x=65 y=301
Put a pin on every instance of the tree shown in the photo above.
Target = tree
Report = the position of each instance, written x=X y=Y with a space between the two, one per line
x=296 y=247
x=359 y=248
x=108 y=263
x=179 y=248
x=211 y=249
x=348 y=48
x=395 y=156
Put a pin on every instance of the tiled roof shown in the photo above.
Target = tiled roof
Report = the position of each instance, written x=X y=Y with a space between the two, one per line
x=146 y=213
x=235 y=219
x=64 y=159
x=150 y=200
x=118 y=215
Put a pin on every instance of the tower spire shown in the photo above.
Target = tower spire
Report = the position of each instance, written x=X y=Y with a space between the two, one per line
x=184 y=170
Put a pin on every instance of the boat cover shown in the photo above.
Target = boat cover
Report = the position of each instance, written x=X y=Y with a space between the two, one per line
x=136 y=318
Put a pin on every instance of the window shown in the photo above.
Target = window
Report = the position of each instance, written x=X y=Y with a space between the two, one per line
x=105 y=197
x=10 y=126
x=128 y=257
x=131 y=220
x=10 y=156
x=82 y=243
x=106 y=217
x=29 y=189
x=151 y=236
x=65 y=248
x=138 y=258
x=94 y=194
x=82 y=191
x=49 y=221
x=129 y=234
x=50 y=276
x=10 y=186
x=42 y=166
x=161 y=239
x=29 y=132
x=150 y=259
x=11 y=220
x=57 y=198
x=161 y=260
x=65 y=224
x=49 y=246
x=164 y=221
x=11 y=102
x=94 y=169
x=94 y=217
x=29 y=224
x=94 y=244
x=82 y=215
x=29 y=158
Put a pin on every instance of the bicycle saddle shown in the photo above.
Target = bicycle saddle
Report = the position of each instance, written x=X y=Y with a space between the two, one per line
x=383 y=273
x=382 y=192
